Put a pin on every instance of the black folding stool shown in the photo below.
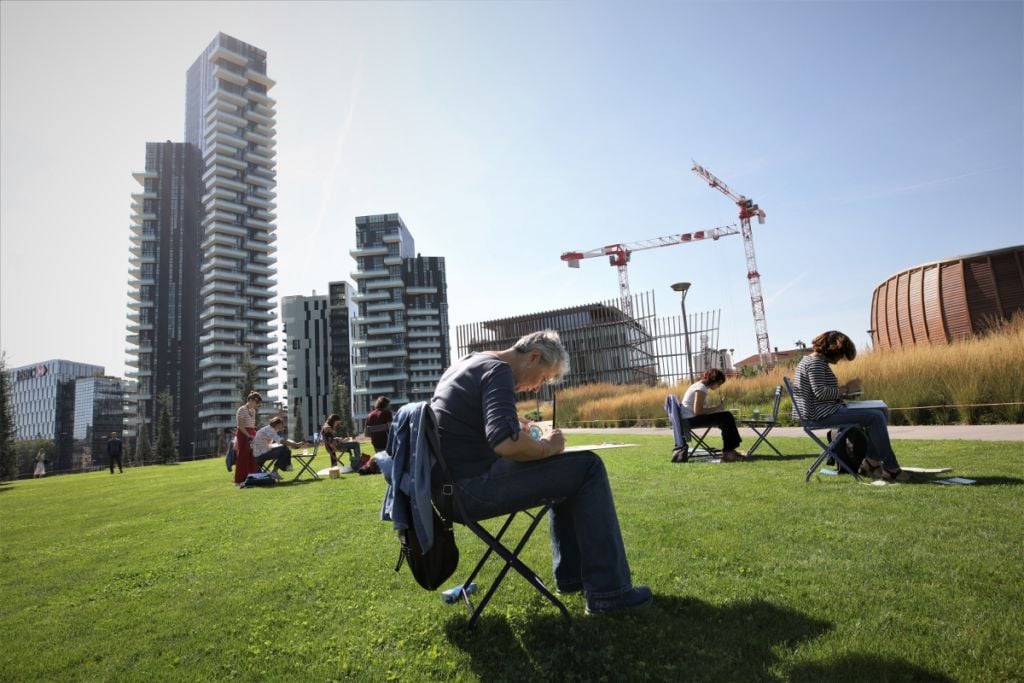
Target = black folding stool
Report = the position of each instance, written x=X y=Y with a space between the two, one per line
x=450 y=507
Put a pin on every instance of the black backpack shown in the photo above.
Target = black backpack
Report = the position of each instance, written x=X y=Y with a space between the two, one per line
x=851 y=449
x=430 y=569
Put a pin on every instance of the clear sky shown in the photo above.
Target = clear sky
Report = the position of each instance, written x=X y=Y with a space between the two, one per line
x=876 y=136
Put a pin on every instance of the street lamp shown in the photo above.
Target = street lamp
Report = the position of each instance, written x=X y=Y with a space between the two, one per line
x=683 y=288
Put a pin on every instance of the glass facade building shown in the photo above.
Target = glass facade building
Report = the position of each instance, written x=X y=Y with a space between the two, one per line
x=43 y=403
x=99 y=411
x=342 y=313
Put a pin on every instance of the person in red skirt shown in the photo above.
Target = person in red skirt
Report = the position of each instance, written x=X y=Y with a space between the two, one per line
x=245 y=419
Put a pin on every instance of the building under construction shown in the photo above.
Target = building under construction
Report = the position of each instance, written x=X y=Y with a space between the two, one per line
x=605 y=344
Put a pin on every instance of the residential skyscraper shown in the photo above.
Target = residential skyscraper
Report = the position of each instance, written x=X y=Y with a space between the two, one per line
x=343 y=311
x=307 y=335
x=163 y=286
x=401 y=341
x=229 y=118
x=203 y=260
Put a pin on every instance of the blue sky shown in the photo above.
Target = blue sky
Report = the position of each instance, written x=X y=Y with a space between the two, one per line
x=876 y=136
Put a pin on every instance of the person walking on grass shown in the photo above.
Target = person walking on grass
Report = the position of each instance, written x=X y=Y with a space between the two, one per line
x=40 y=470
x=114 y=450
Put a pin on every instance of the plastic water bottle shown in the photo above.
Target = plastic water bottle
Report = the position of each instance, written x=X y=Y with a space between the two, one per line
x=452 y=595
x=536 y=432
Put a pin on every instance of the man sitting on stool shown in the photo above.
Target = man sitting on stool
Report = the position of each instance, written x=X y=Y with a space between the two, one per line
x=269 y=445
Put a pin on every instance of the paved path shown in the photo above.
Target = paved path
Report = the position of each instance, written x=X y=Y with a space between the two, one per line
x=953 y=432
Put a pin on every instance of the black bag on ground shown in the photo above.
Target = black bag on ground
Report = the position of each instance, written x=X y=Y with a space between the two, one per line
x=851 y=449
x=433 y=568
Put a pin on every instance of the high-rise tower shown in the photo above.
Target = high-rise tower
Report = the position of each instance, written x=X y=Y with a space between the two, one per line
x=229 y=118
x=401 y=343
x=202 y=278
x=307 y=332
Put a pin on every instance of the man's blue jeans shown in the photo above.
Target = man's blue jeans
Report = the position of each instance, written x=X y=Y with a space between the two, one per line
x=586 y=544
x=876 y=422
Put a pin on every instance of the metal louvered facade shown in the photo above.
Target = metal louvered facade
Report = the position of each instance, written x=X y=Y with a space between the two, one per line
x=943 y=301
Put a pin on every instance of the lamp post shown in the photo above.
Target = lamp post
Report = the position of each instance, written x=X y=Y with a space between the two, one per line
x=683 y=288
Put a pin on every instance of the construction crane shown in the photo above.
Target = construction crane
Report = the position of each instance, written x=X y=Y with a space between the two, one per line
x=748 y=210
x=619 y=255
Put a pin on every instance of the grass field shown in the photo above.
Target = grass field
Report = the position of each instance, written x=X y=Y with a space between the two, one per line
x=170 y=573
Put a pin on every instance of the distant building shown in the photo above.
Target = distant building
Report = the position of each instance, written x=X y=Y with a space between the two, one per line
x=203 y=262
x=99 y=411
x=43 y=403
x=343 y=311
x=604 y=344
x=943 y=301
x=308 y=340
x=783 y=359
x=401 y=341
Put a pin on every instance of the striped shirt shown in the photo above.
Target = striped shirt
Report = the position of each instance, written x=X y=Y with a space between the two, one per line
x=246 y=418
x=815 y=389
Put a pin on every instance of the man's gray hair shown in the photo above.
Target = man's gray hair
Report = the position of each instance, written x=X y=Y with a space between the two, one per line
x=551 y=350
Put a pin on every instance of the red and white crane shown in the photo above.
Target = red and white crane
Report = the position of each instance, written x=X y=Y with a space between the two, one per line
x=748 y=210
x=619 y=255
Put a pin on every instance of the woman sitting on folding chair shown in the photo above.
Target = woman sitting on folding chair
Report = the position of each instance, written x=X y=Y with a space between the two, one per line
x=820 y=396
x=698 y=413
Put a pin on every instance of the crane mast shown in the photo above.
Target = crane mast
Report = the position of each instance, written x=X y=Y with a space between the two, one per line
x=619 y=255
x=748 y=210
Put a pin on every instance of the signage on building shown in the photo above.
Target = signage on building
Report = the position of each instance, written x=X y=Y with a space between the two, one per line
x=29 y=373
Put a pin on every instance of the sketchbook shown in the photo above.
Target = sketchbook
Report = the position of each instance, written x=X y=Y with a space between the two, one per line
x=865 y=404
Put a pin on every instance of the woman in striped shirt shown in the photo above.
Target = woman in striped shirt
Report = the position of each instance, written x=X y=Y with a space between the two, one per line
x=245 y=429
x=819 y=396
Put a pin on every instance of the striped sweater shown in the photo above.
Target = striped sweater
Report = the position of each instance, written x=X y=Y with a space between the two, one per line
x=815 y=389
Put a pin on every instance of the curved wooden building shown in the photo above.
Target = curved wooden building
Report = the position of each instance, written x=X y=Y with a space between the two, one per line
x=940 y=302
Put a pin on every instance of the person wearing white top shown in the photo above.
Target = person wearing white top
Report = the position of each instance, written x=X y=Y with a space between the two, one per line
x=698 y=413
x=269 y=445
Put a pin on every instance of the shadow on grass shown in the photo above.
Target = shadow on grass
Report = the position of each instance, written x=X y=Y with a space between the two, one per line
x=859 y=667
x=675 y=639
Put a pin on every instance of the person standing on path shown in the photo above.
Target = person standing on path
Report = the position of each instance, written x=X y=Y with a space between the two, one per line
x=114 y=450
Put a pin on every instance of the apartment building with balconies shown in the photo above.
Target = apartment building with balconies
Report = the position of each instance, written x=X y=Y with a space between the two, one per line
x=203 y=258
x=401 y=328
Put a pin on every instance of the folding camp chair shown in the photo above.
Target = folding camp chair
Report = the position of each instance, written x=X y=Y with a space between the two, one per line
x=683 y=434
x=828 y=450
x=450 y=507
x=305 y=461
x=762 y=427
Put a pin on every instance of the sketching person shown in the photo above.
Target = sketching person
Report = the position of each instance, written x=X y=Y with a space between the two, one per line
x=820 y=397
x=114 y=450
x=245 y=430
x=378 y=422
x=498 y=468
x=698 y=413
x=268 y=444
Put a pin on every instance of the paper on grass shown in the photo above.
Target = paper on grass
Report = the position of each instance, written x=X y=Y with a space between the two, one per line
x=955 y=480
x=596 y=447
x=928 y=470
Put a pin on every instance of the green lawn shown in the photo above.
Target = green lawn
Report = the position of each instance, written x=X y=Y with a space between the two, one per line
x=170 y=573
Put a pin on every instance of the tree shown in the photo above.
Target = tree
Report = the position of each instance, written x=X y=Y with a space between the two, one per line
x=342 y=407
x=8 y=454
x=250 y=375
x=143 y=450
x=222 y=442
x=164 y=436
x=297 y=432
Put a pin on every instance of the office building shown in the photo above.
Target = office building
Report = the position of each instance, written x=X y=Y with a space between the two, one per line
x=203 y=258
x=307 y=338
x=43 y=403
x=99 y=411
x=401 y=330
